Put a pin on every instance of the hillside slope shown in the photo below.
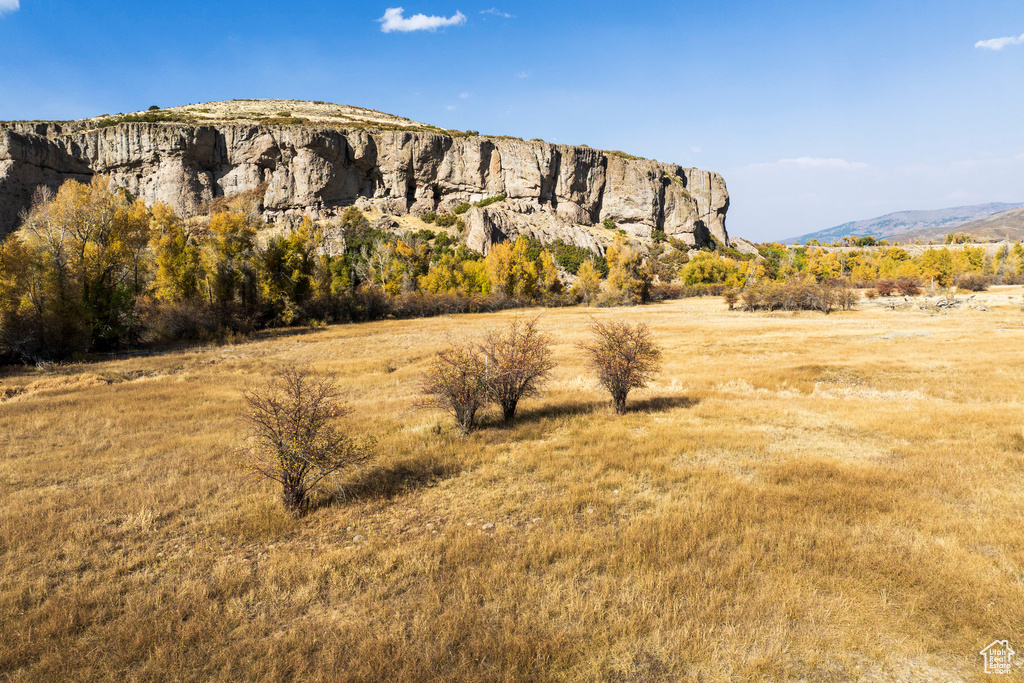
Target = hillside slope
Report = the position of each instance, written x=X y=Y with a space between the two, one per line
x=318 y=158
x=1006 y=225
x=896 y=225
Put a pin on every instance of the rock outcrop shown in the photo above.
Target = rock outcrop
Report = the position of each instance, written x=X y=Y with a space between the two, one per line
x=552 y=191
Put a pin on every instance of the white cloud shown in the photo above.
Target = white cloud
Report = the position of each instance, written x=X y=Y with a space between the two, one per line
x=815 y=163
x=463 y=95
x=394 y=21
x=451 y=107
x=8 y=6
x=496 y=12
x=999 y=43
x=522 y=74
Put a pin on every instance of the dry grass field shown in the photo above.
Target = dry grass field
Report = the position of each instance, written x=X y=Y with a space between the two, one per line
x=799 y=497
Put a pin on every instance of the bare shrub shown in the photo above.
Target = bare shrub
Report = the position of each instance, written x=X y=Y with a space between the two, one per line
x=908 y=286
x=846 y=297
x=973 y=282
x=802 y=294
x=885 y=287
x=455 y=382
x=624 y=357
x=293 y=436
x=180 y=321
x=518 y=360
x=731 y=296
x=752 y=296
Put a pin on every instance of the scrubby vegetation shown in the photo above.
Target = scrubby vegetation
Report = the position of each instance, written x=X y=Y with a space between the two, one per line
x=506 y=365
x=623 y=155
x=791 y=498
x=518 y=361
x=294 y=438
x=798 y=294
x=283 y=120
x=623 y=356
x=456 y=382
x=92 y=269
x=491 y=200
x=151 y=116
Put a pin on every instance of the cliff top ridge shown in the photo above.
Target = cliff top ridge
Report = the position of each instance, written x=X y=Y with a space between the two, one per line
x=259 y=112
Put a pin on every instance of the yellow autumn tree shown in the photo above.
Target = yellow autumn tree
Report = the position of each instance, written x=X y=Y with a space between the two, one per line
x=629 y=274
x=90 y=242
x=824 y=265
x=548 y=281
x=937 y=265
x=451 y=276
x=229 y=258
x=587 y=286
x=177 y=257
x=895 y=263
x=510 y=269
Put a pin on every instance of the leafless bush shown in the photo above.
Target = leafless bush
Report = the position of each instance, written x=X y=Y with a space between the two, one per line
x=846 y=297
x=518 y=360
x=624 y=357
x=181 y=320
x=456 y=382
x=662 y=291
x=293 y=435
x=797 y=295
x=973 y=282
x=885 y=287
x=908 y=286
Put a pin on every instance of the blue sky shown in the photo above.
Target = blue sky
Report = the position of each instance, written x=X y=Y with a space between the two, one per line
x=815 y=112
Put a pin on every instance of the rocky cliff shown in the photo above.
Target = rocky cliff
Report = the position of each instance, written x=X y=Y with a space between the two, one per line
x=552 y=191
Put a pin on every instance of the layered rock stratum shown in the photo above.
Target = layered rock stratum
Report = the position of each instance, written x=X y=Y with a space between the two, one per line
x=316 y=158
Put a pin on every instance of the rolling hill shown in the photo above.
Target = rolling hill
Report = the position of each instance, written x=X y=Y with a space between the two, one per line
x=1006 y=225
x=897 y=225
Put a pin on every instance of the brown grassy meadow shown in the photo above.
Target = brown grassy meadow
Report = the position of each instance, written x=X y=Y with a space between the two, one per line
x=799 y=497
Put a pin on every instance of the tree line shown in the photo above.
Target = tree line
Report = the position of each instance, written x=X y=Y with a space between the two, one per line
x=94 y=269
x=862 y=268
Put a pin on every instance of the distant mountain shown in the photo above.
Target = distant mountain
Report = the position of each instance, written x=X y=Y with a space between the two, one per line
x=1006 y=225
x=896 y=225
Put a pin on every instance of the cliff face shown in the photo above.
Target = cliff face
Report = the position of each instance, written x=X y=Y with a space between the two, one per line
x=553 y=191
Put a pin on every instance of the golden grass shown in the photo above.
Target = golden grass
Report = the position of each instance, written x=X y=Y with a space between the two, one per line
x=799 y=497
